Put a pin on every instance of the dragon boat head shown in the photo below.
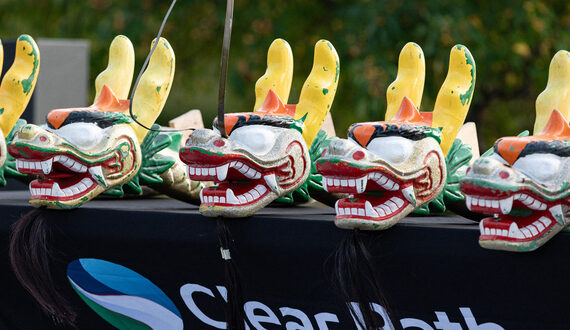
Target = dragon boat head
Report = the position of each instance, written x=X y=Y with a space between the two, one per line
x=82 y=152
x=391 y=168
x=524 y=181
x=15 y=92
x=525 y=184
x=266 y=154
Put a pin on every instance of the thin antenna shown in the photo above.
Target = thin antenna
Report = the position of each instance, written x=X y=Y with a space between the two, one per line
x=224 y=67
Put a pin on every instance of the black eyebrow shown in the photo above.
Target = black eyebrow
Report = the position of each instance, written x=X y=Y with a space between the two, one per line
x=559 y=148
x=414 y=133
x=267 y=120
x=103 y=119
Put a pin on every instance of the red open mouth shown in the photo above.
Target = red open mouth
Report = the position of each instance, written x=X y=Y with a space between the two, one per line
x=62 y=177
x=377 y=196
x=519 y=216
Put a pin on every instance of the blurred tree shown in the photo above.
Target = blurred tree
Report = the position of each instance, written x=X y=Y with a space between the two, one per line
x=512 y=43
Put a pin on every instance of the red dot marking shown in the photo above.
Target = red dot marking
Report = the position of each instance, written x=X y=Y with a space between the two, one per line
x=43 y=138
x=219 y=143
x=358 y=155
x=503 y=174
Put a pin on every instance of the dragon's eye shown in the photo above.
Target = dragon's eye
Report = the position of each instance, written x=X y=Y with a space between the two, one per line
x=540 y=167
x=394 y=149
x=257 y=139
x=84 y=135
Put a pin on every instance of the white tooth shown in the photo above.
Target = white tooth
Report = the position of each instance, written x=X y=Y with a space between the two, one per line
x=81 y=187
x=538 y=225
x=202 y=196
x=43 y=191
x=75 y=190
x=344 y=183
x=391 y=205
x=336 y=182
x=251 y=173
x=474 y=201
x=542 y=207
x=198 y=171
x=468 y=203
x=514 y=231
x=233 y=164
x=532 y=230
x=545 y=221
x=231 y=197
x=69 y=162
x=88 y=182
x=504 y=233
x=257 y=175
x=46 y=166
x=386 y=209
x=361 y=212
x=351 y=183
x=191 y=170
x=370 y=212
x=493 y=231
x=216 y=199
x=535 y=205
x=354 y=211
x=506 y=205
x=488 y=203
x=56 y=190
x=67 y=192
x=19 y=164
x=495 y=204
x=261 y=189
x=222 y=200
x=347 y=211
x=382 y=180
x=244 y=168
x=222 y=172
x=557 y=214
x=340 y=211
x=248 y=197
x=271 y=182
x=487 y=231
x=517 y=196
x=481 y=202
x=97 y=175
x=329 y=182
x=481 y=228
x=56 y=158
x=48 y=192
x=325 y=185
x=398 y=201
x=211 y=199
x=212 y=171
x=390 y=185
x=409 y=194
x=526 y=232
x=361 y=184
x=380 y=211
x=255 y=194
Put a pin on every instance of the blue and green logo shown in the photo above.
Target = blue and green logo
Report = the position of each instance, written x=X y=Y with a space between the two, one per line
x=121 y=296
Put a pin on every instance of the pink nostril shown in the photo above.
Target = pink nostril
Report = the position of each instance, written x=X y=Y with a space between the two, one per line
x=468 y=169
x=219 y=143
x=43 y=138
x=358 y=155
x=504 y=175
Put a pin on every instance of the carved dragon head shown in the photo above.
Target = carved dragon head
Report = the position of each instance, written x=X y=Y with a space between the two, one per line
x=393 y=167
x=15 y=92
x=267 y=153
x=82 y=152
x=525 y=180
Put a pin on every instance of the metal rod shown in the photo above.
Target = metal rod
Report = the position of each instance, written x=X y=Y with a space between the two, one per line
x=224 y=66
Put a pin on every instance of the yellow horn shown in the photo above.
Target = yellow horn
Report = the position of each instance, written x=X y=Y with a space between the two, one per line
x=556 y=95
x=278 y=75
x=409 y=81
x=454 y=97
x=153 y=88
x=19 y=83
x=318 y=91
x=119 y=72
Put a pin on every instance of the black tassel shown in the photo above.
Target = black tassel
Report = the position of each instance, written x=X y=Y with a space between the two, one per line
x=30 y=259
x=354 y=276
x=234 y=308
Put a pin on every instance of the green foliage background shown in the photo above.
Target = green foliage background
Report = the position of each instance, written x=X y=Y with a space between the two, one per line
x=512 y=43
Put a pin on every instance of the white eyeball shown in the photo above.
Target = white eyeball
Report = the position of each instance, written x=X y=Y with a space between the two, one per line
x=84 y=135
x=539 y=167
x=257 y=139
x=394 y=149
